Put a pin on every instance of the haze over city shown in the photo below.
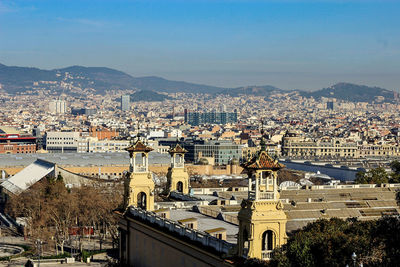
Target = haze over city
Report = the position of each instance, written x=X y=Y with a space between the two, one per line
x=289 y=44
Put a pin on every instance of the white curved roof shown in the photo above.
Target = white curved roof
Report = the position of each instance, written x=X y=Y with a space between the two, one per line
x=287 y=184
x=28 y=176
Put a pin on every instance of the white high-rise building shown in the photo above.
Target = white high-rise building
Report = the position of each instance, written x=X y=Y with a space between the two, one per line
x=58 y=107
x=125 y=102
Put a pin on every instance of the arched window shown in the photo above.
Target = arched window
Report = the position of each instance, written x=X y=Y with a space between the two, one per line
x=179 y=187
x=268 y=240
x=142 y=200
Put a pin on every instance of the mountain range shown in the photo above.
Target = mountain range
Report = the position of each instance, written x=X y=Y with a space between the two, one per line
x=354 y=93
x=252 y=90
x=16 y=79
x=100 y=79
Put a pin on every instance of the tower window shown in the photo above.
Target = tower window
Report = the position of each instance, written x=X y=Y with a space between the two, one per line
x=268 y=240
x=142 y=200
x=179 y=187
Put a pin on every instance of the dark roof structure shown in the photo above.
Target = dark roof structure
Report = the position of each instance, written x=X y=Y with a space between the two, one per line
x=262 y=161
x=177 y=150
x=138 y=146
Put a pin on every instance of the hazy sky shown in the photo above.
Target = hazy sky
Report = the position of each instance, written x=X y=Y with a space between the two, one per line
x=289 y=43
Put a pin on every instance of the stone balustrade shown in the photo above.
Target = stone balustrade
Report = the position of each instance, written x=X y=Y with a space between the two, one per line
x=174 y=227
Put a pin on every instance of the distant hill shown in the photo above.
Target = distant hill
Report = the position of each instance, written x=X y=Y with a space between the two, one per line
x=79 y=80
x=149 y=96
x=99 y=79
x=352 y=92
x=163 y=85
x=15 y=79
x=252 y=90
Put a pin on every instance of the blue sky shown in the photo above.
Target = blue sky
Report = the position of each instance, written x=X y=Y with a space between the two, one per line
x=289 y=43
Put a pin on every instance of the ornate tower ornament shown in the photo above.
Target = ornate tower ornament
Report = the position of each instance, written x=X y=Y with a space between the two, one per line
x=262 y=221
x=177 y=177
x=139 y=184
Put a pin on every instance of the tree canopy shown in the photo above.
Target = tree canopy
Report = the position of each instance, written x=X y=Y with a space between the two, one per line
x=373 y=176
x=332 y=242
x=379 y=175
x=51 y=210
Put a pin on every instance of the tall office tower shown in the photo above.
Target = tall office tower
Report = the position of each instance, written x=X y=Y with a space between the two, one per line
x=61 y=106
x=197 y=118
x=125 y=102
x=330 y=105
x=58 y=106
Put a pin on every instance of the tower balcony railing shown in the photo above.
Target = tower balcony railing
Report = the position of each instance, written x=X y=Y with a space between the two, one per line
x=261 y=195
x=267 y=254
x=266 y=195
x=178 y=165
x=140 y=169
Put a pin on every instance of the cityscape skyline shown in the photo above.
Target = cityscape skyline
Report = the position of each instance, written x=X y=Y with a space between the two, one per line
x=200 y=133
x=290 y=44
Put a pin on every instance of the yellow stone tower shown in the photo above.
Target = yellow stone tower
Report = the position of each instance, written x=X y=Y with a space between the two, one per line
x=177 y=177
x=139 y=184
x=262 y=221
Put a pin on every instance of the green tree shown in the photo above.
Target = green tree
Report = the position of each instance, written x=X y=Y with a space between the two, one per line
x=361 y=178
x=329 y=243
x=332 y=242
x=395 y=175
x=59 y=177
x=395 y=166
x=373 y=176
x=387 y=233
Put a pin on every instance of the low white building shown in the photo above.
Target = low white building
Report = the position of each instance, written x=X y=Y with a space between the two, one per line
x=62 y=142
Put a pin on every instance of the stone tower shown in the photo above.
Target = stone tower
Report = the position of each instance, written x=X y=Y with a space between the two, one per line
x=177 y=177
x=262 y=221
x=139 y=185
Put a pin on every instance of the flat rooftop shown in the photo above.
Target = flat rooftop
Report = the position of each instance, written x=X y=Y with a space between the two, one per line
x=304 y=206
x=79 y=159
x=207 y=223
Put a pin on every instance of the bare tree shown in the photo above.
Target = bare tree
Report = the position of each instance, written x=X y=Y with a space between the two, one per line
x=51 y=210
